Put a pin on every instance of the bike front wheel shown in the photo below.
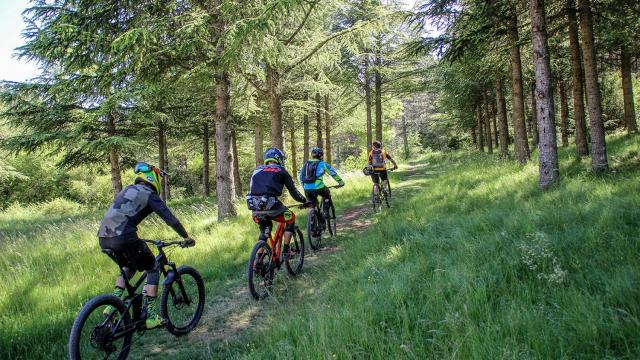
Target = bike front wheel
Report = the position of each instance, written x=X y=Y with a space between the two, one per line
x=261 y=270
x=102 y=330
x=295 y=258
x=182 y=301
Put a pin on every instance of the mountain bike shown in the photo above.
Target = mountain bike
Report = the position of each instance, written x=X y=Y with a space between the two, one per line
x=321 y=217
x=382 y=195
x=96 y=335
x=267 y=258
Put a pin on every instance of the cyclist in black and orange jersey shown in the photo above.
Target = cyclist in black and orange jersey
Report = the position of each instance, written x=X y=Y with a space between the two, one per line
x=377 y=162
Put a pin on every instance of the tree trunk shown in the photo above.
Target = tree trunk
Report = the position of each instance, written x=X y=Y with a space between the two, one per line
x=474 y=136
x=598 y=143
x=224 y=159
x=519 y=127
x=318 y=121
x=627 y=91
x=206 y=188
x=564 y=114
x=534 y=116
x=367 y=100
x=548 y=164
x=305 y=124
x=582 y=148
x=258 y=143
x=294 y=155
x=492 y=110
x=327 y=130
x=116 y=180
x=167 y=187
x=378 y=89
x=405 y=137
x=479 y=121
x=502 y=119
x=237 y=182
x=487 y=123
x=161 y=159
x=275 y=107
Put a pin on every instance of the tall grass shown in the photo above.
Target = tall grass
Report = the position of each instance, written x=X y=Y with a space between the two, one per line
x=473 y=261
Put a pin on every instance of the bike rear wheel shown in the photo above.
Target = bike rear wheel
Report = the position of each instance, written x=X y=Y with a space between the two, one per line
x=296 y=246
x=95 y=335
x=376 y=201
x=182 y=301
x=314 y=232
x=331 y=220
x=261 y=270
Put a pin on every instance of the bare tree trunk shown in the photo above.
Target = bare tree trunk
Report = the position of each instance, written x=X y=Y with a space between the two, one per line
x=502 y=119
x=519 y=127
x=237 y=182
x=327 y=130
x=318 y=120
x=206 y=188
x=378 y=89
x=627 y=91
x=224 y=158
x=305 y=124
x=534 y=116
x=367 y=100
x=116 y=180
x=161 y=159
x=564 y=114
x=582 y=148
x=275 y=106
x=487 y=123
x=405 y=137
x=167 y=187
x=598 y=144
x=481 y=135
x=548 y=164
x=294 y=155
x=492 y=111
x=258 y=144
x=474 y=136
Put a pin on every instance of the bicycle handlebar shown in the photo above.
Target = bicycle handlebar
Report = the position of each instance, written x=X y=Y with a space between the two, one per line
x=181 y=243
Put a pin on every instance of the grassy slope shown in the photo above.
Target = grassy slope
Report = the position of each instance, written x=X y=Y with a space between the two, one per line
x=473 y=262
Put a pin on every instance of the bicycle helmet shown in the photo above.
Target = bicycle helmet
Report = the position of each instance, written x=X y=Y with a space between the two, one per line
x=275 y=155
x=149 y=174
x=377 y=144
x=367 y=171
x=317 y=152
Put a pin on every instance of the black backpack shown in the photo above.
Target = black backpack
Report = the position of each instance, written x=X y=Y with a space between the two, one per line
x=310 y=169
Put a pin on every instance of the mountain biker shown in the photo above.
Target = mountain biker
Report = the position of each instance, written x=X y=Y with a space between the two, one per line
x=377 y=162
x=118 y=232
x=311 y=177
x=267 y=183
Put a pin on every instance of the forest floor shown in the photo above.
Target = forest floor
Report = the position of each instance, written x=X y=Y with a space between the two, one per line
x=471 y=261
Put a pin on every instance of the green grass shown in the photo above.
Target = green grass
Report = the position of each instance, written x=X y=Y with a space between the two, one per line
x=473 y=261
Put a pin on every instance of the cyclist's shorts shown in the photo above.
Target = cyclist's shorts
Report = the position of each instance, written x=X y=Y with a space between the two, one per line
x=131 y=253
x=312 y=195
x=379 y=175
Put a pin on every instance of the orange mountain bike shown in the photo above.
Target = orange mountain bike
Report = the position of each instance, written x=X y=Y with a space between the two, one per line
x=267 y=258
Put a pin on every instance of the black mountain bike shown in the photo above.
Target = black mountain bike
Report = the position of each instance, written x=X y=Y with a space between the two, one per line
x=266 y=257
x=321 y=217
x=95 y=335
x=383 y=195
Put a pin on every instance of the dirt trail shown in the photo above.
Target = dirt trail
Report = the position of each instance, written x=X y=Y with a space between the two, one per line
x=227 y=317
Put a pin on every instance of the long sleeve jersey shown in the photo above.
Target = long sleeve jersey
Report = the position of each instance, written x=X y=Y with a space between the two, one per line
x=321 y=169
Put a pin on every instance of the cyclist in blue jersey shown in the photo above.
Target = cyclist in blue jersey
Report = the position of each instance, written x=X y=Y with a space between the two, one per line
x=311 y=177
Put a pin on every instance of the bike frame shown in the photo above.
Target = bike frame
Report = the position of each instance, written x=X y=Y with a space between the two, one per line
x=133 y=301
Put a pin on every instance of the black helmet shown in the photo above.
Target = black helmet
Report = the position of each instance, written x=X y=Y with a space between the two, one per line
x=377 y=144
x=317 y=152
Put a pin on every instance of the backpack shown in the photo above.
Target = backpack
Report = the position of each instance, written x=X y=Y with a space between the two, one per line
x=377 y=158
x=310 y=172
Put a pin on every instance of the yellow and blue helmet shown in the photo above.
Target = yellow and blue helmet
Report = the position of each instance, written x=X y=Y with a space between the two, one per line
x=149 y=174
x=275 y=155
